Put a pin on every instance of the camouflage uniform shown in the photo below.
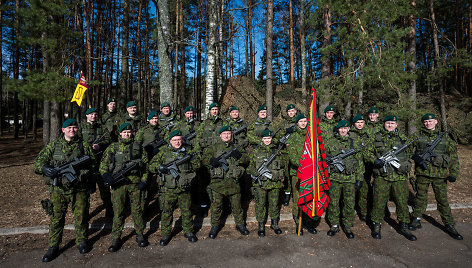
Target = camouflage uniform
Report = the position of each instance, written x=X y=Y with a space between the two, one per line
x=167 y=123
x=136 y=122
x=373 y=127
x=241 y=138
x=55 y=153
x=207 y=131
x=176 y=190
x=327 y=127
x=187 y=127
x=445 y=164
x=110 y=121
x=115 y=157
x=255 y=129
x=287 y=187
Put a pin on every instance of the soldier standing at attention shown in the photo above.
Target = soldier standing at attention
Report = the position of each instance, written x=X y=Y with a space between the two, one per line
x=344 y=182
x=188 y=125
x=262 y=123
x=225 y=180
x=110 y=119
x=374 y=124
x=98 y=137
x=289 y=121
x=388 y=178
x=267 y=188
x=167 y=119
x=176 y=186
x=116 y=157
x=440 y=167
x=235 y=122
x=328 y=123
x=132 y=116
x=295 y=144
x=62 y=191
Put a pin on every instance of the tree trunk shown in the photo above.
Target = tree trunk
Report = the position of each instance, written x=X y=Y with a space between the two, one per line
x=165 y=64
x=16 y=71
x=1 y=70
x=125 y=54
x=303 y=51
x=183 y=75
x=176 y=57
x=269 y=74
x=412 y=69
x=219 y=53
x=88 y=44
x=248 y=30
x=198 y=93
x=211 y=62
x=326 y=57
x=292 y=52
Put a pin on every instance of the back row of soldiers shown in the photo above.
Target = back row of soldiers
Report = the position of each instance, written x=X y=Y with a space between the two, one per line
x=167 y=155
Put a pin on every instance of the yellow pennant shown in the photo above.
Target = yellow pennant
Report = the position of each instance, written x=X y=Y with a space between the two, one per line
x=82 y=86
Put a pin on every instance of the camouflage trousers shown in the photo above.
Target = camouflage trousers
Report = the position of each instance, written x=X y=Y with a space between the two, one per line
x=80 y=206
x=346 y=192
x=216 y=208
x=440 y=193
x=365 y=193
x=400 y=192
x=287 y=185
x=264 y=196
x=105 y=193
x=184 y=201
x=118 y=198
x=295 y=194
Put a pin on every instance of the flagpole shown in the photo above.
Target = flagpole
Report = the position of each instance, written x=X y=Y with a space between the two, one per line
x=314 y=150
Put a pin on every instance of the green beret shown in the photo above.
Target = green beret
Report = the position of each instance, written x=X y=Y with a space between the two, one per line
x=213 y=105
x=165 y=104
x=290 y=107
x=357 y=118
x=373 y=110
x=428 y=116
x=69 y=122
x=90 y=110
x=261 y=108
x=390 y=118
x=329 y=108
x=188 y=109
x=299 y=116
x=111 y=100
x=224 y=128
x=152 y=114
x=267 y=133
x=175 y=133
x=342 y=123
x=234 y=108
x=125 y=126
x=130 y=103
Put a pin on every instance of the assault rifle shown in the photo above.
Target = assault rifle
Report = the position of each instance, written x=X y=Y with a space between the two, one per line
x=68 y=169
x=222 y=159
x=173 y=167
x=153 y=149
x=96 y=141
x=390 y=158
x=337 y=160
x=239 y=130
x=120 y=175
x=187 y=138
x=423 y=159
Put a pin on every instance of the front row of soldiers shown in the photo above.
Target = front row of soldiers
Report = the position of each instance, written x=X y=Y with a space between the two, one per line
x=130 y=167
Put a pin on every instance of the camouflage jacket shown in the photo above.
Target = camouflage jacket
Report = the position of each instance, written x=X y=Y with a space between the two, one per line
x=121 y=153
x=295 y=145
x=353 y=165
x=288 y=121
x=327 y=127
x=187 y=127
x=373 y=127
x=255 y=129
x=224 y=182
x=256 y=159
x=110 y=121
x=446 y=161
x=207 y=133
x=241 y=137
x=92 y=132
x=61 y=151
x=364 y=138
x=167 y=123
x=137 y=122
x=147 y=136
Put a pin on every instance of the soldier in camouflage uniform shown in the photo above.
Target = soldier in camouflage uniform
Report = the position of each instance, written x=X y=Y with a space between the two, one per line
x=176 y=189
x=188 y=125
x=439 y=169
x=288 y=122
x=343 y=183
x=267 y=190
x=225 y=180
x=98 y=137
x=260 y=124
x=167 y=119
x=295 y=144
x=116 y=157
x=388 y=178
x=62 y=191
x=235 y=122
x=132 y=117
x=328 y=123
x=110 y=119
x=373 y=124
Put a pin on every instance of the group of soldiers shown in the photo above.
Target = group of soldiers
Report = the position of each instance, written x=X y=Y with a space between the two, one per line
x=184 y=162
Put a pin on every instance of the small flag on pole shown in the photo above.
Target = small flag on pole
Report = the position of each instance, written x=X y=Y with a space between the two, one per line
x=82 y=86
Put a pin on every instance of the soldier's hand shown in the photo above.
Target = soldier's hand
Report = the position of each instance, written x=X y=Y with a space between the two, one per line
x=358 y=185
x=451 y=179
x=378 y=163
x=163 y=169
x=107 y=179
x=236 y=154
x=49 y=171
x=289 y=130
x=96 y=147
x=214 y=162
x=142 y=185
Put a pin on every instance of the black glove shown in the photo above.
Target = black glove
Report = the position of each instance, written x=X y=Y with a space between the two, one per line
x=289 y=130
x=236 y=154
x=142 y=185
x=378 y=163
x=214 y=162
x=451 y=179
x=420 y=162
x=163 y=169
x=358 y=185
x=107 y=179
x=49 y=171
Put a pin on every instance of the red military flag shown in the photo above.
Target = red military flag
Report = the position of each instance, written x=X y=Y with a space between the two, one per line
x=312 y=171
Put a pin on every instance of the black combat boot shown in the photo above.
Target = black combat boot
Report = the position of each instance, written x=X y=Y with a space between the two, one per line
x=115 y=245
x=165 y=239
x=286 y=199
x=333 y=230
x=51 y=254
x=348 y=232
x=213 y=232
x=191 y=237
x=415 y=224
x=141 y=240
x=261 y=230
x=296 y=230
x=405 y=232
x=362 y=218
x=83 y=248
x=452 y=232
x=376 y=227
x=310 y=229
x=274 y=225
x=242 y=229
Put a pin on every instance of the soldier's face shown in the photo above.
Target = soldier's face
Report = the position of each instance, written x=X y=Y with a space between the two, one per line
x=214 y=111
x=126 y=134
x=70 y=132
x=132 y=110
x=165 y=110
x=234 y=114
x=154 y=121
x=292 y=112
x=430 y=124
x=225 y=136
x=189 y=114
x=359 y=124
x=302 y=123
x=92 y=117
x=329 y=115
x=176 y=142
x=343 y=131
x=373 y=117
x=262 y=114
x=267 y=140
x=111 y=106
x=390 y=125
